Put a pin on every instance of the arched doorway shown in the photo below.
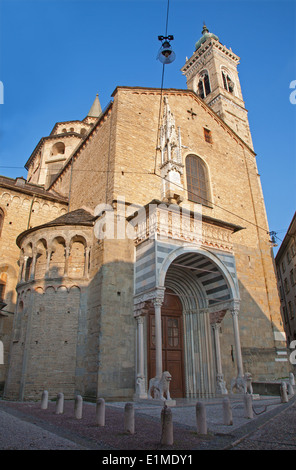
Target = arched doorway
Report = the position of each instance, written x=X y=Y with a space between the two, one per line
x=172 y=342
x=204 y=287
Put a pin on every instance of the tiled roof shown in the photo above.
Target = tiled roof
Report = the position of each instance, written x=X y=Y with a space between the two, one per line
x=21 y=185
x=77 y=217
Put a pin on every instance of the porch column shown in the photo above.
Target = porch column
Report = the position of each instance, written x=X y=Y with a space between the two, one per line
x=238 y=353
x=158 y=335
x=220 y=384
x=141 y=387
x=140 y=323
x=140 y=310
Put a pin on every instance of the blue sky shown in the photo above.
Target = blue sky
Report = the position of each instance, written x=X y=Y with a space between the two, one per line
x=56 y=55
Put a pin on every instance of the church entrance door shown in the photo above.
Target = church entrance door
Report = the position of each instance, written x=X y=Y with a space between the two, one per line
x=172 y=343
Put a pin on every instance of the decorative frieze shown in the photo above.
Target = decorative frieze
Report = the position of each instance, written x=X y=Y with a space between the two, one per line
x=178 y=223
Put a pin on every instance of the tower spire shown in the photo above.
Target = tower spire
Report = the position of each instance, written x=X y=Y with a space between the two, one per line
x=204 y=29
x=96 y=109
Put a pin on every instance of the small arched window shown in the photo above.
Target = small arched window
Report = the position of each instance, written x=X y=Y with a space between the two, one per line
x=197 y=180
x=58 y=148
x=204 y=87
x=227 y=82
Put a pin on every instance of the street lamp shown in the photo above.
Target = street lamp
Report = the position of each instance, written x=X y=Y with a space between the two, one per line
x=166 y=54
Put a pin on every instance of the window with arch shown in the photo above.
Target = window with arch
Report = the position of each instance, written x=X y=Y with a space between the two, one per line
x=204 y=87
x=197 y=180
x=3 y=281
x=58 y=148
x=227 y=82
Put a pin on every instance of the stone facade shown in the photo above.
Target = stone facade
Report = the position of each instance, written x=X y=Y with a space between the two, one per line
x=285 y=261
x=92 y=284
x=22 y=206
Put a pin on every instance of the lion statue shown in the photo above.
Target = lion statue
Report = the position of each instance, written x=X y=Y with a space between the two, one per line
x=243 y=384
x=160 y=387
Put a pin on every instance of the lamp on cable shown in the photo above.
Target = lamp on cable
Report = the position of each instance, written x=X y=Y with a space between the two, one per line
x=272 y=238
x=166 y=54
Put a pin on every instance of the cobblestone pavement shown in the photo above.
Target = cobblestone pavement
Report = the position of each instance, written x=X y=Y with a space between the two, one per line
x=24 y=426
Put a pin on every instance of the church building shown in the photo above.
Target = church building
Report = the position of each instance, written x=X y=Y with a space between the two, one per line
x=139 y=244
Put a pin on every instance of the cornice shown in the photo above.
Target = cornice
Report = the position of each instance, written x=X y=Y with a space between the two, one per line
x=207 y=45
x=29 y=188
x=185 y=92
x=50 y=137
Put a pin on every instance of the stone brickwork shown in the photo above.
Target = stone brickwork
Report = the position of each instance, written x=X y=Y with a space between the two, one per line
x=285 y=261
x=23 y=206
x=75 y=329
x=87 y=179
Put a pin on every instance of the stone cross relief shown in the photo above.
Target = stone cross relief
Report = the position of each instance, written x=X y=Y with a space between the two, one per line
x=190 y=111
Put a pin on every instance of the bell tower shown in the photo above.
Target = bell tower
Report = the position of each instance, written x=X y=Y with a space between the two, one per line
x=211 y=72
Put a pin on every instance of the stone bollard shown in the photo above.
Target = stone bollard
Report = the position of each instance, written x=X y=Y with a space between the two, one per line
x=227 y=412
x=100 y=412
x=78 y=407
x=248 y=406
x=283 y=391
x=60 y=404
x=129 y=418
x=290 y=389
x=201 y=418
x=44 y=400
x=167 y=432
x=291 y=378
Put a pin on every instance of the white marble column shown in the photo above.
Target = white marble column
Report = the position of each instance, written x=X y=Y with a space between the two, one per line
x=238 y=353
x=158 y=335
x=141 y=382
x=220 y=384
